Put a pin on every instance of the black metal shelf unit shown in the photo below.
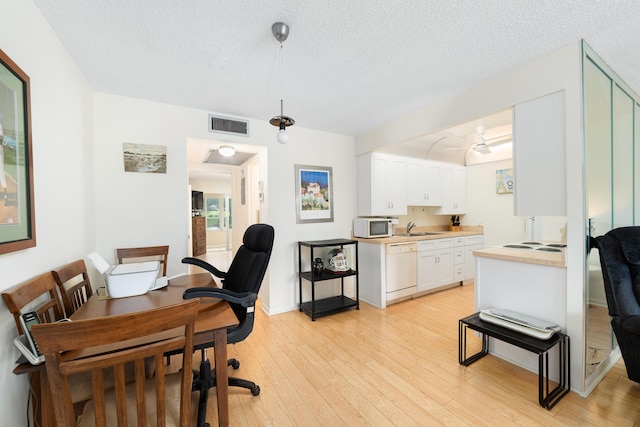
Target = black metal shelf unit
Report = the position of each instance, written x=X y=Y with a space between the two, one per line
x=316 y=308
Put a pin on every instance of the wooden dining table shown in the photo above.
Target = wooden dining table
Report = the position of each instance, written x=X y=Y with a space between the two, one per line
x=214 y=317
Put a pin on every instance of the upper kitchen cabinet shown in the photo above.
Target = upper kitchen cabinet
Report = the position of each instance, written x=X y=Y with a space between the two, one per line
x=382 y=184
x=539 y=157
x=424 y=183
x=454 y=190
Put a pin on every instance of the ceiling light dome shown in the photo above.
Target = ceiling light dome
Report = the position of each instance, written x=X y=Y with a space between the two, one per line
x=227 y=150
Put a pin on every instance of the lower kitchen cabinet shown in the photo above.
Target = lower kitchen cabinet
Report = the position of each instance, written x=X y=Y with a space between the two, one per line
x=321 y=307
x=441 y=263
x=435 y=263
x=471 y=243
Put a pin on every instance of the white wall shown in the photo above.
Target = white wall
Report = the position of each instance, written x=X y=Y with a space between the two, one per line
x=61 y=110
x=149 y=209
x=216 y=184
x=491 y=210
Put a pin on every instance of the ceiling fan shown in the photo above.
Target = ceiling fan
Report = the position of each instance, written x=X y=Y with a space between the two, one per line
x=480 y=145
x=484 y=146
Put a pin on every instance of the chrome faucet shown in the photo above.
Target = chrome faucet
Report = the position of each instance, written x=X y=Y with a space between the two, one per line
x=410 y=227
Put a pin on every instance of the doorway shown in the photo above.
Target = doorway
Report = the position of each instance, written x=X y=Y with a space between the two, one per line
x=232 y=190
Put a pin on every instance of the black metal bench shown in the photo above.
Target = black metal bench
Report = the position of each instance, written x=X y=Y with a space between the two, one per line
x=547 y=399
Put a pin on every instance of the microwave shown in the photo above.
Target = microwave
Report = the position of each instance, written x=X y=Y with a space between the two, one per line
x=370 y=228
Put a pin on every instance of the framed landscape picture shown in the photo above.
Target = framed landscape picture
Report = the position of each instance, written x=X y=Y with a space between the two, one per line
x=17 y=209
x=145 y=158
x=314 y=194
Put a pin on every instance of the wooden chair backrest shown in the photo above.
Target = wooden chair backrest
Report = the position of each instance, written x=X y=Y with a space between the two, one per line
x=74 y=285
x=160 y=253
x=109 y=343
x=42 y=288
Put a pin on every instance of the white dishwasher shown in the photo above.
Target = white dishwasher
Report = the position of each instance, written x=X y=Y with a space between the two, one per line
x=402 y=261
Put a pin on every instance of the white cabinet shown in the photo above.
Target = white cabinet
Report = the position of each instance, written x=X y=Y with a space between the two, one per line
x=381 y=184
x=435 y=263
x=454 y=190
x=439 y=263
x=471 y=243
x=387 y=184
x=539 y=139
x=458 y=259
x=424 y=183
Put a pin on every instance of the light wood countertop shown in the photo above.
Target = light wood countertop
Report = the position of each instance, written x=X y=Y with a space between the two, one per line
x=443 y=233
x=552 y=259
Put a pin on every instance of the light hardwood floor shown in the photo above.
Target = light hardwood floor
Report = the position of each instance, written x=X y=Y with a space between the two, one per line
x=399 y=367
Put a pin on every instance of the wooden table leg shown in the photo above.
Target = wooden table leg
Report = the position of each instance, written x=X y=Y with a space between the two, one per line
x=42 y=409
x=43 y=406
x=222 y=376
x=36 y=390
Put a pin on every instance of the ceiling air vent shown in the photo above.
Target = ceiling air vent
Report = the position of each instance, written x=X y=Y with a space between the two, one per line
x=227 y=125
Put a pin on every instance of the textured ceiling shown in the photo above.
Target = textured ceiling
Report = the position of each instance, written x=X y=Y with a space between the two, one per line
x=349 y=65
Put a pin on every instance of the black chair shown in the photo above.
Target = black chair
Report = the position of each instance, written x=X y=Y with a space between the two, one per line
x=240 y=286
x=620 y=261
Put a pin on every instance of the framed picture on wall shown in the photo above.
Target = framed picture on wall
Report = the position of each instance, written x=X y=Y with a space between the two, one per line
x=504 y=181
x=17 y=209
x=314 y=194
x=144 y=158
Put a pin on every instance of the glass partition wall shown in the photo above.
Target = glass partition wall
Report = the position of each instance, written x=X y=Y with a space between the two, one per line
x=611 y=112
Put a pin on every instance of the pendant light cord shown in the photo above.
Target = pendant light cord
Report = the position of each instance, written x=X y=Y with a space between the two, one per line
x=281 y=85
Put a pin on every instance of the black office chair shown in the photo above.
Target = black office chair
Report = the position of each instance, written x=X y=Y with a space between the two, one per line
x=620 y=261
x=240 y=286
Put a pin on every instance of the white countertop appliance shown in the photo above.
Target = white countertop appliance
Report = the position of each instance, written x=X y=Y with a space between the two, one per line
x=371 y=228
x=401 y=268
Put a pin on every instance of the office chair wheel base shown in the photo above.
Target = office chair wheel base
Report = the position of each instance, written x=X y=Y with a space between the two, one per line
x=255 y=390
x=234 y=363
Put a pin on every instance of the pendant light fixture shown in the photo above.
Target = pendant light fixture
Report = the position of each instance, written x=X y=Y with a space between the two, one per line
x=280 y=31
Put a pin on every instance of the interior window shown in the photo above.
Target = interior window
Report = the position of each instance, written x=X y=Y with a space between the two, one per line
x=217 y=210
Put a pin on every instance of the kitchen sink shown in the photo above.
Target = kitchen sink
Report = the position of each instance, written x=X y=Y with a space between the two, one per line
x=426 y=233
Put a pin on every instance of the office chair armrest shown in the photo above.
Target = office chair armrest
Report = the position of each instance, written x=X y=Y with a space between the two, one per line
x=203 y=264
x=245 y=299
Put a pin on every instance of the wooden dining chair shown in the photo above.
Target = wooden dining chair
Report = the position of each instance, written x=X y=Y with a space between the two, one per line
x=106 y=344
x=74 y=285
x=148 y=253
x=38 y=294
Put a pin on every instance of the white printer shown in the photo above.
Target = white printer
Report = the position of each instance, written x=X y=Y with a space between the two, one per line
x=126 y=280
